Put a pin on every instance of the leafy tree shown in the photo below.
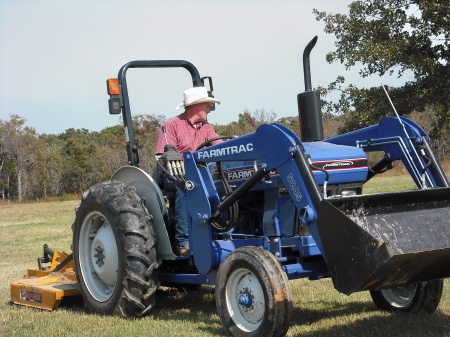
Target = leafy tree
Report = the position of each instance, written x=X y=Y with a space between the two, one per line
x=110 y=134
x=392 y=37
x=47 y=176
x=78 y=152
x=18 y=150
x=291 y=123
x=146 y=135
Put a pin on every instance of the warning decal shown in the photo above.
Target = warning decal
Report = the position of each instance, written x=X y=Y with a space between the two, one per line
x=30 y=296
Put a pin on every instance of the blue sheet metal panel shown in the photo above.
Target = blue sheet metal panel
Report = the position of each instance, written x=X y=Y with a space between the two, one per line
x=279 y=214
x=344 y=164
x=286 y=213
x=309 y=246
x=313 y=270
x=324 y=151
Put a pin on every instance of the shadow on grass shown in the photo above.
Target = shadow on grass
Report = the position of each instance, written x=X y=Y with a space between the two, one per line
x=334 y=319
x=73 y=303
x=362 y=319
x=330 y=319
x=331 y=310
x=191 y=303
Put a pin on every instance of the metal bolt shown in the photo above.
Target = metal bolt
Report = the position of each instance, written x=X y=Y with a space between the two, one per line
x=189 y=185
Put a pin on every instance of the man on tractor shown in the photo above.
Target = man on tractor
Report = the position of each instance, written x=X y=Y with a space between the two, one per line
x=186 y=132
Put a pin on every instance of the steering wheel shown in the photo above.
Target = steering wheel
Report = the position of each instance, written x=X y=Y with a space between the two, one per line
x=209 y=141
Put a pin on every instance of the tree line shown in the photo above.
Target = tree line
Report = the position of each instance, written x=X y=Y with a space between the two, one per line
x=34 y=166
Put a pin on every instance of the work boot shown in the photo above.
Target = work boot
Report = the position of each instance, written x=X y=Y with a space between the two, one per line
x=182 y=250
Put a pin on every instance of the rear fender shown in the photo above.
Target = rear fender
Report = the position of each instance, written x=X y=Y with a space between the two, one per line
x=148 y=189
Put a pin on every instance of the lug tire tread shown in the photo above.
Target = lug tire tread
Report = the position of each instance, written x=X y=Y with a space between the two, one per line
x=133 y=227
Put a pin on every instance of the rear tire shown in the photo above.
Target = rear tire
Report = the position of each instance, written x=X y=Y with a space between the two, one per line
x=114 y=251
x=414 y=297
x=253 y=295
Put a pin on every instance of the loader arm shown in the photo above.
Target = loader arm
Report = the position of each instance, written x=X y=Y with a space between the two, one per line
x=400 y=139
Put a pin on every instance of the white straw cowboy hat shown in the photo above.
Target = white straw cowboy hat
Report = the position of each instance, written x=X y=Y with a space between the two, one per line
x=194 y=96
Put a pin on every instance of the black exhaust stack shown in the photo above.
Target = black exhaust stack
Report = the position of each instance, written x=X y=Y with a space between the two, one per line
x=309 y=112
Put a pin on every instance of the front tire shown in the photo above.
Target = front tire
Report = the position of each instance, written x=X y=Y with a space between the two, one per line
x=414 y=297
x=253 y=295
x=114 y=251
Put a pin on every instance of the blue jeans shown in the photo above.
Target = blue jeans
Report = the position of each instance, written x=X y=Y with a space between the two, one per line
x=181 y=221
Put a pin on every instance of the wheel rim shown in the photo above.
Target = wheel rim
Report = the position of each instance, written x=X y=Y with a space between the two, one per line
x=400 y=297
x=245 y=299
x=98 y=256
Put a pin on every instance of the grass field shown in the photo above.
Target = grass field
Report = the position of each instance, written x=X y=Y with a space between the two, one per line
x=319 y=310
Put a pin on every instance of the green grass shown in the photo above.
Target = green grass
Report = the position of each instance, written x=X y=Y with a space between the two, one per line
x=380 y=184
x=319 y=310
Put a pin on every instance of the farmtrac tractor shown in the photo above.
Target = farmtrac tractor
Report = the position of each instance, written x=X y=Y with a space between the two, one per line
x=266 y=208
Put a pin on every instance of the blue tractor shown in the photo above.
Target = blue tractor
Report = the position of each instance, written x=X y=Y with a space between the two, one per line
x=266 y=208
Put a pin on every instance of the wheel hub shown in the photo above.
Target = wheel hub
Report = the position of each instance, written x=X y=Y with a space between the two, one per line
x=249 y=306
x=104 y=255
x=246 y=299
x=400 y=297
x=99 y=259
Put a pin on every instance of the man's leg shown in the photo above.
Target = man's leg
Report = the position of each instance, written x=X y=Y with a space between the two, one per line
x=181 y=226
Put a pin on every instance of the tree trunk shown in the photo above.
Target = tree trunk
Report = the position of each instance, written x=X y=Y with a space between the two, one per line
x=19 y=183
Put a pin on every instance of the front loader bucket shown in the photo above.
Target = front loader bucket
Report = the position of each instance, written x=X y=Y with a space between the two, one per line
x=386 y=240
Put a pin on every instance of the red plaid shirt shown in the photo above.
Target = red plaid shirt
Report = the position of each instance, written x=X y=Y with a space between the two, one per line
x=183 y=135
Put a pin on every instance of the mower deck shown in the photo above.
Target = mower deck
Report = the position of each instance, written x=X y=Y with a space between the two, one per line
x=45 y=288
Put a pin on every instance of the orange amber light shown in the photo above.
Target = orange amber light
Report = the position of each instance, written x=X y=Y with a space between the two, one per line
x=113 y=86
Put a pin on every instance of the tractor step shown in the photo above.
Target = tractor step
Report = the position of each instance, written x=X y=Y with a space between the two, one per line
x=385 y=240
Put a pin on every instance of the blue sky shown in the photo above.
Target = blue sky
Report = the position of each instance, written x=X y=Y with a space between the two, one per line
x=55 y=56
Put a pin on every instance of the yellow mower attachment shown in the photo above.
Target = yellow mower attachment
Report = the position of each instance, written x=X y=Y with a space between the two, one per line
x=45 y=287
